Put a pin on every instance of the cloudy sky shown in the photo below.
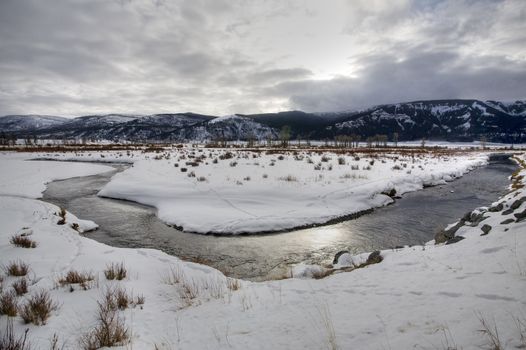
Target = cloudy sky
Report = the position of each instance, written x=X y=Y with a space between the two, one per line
x=74 y=57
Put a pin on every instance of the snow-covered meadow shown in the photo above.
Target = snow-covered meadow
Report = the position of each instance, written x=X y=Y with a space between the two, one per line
x=236 y=191
x=423 y=297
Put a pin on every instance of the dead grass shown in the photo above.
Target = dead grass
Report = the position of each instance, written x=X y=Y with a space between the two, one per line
x=9 y=340
x=83 y=279
x=288 y=178
x=233 y=284
x=491 y=333
x=16 y=268
x=110 y=329
x=38 y=308
x=115 y=271
x=22 y=241
x=8 y=304
x=20 y=286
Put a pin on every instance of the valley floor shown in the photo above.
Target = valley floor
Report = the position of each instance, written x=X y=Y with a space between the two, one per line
x=423 y=297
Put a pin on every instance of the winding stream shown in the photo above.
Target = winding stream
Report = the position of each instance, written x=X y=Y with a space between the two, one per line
x=414 y=219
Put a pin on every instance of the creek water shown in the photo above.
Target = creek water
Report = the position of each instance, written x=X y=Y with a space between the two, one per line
x=413 y=219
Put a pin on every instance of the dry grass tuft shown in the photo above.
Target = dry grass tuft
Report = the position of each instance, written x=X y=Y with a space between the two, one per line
x=233 y=284
x=74 y=277
x=20 y=286
x=9 y=341
x=38 y=308
x=115 y=271
x=110 y=329
x=22 y=241
x=8 y=304
x=492 y=334
x=16 y=268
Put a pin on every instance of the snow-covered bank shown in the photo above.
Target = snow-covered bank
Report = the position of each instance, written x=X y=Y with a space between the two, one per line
x=246 y=192
x=20 y=177
x=420 y=297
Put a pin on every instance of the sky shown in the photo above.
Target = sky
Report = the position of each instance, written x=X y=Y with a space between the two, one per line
x=218 y=57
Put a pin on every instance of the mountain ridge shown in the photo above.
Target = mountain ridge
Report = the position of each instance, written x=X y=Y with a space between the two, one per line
x=445 y=119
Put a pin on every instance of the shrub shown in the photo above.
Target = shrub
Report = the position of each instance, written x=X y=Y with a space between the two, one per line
x=341 y=161
x=325 y=158
x=17 y=268
x=288 y=178
x=110 y=329
x=75 y=277
x=201 y=179
x=115 y=271
x=265 y=176
x=233 y=164
x=38 y=308
x=9 y=341
x=191 y=174
x=355 y=167
x=246 y=178
x=8 y=304
x=183 y=170
x=281 y=157
x=397 y=167
x=20 y=286
x=62 y=215
x=22 y=241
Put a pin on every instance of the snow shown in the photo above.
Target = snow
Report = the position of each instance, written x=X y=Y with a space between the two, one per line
x=224 y=118
x=422 y=297
x=265 y=193
x=20 y=177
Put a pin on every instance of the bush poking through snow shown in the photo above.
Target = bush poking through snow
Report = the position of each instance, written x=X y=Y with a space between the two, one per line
x=62 y=215
x=38 y=308
x=22 y=241
x=83 y=279
x=341 y=160
x=110 y=329
x=288 y=178
x=20 y=286
x=233 y=284
x=9 y=341
x=115 y=271
x=8 y=304
x=17 y=269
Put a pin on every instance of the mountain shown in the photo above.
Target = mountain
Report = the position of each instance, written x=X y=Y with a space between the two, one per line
x=453 y=120
x=231 y=127
x=17 y=123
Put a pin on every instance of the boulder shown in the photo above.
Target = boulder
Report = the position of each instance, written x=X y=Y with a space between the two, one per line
x=374 y=258
x=520 y=216
x=507 y=212
x=447 y=234
x=391 y=193
x=516 y=204
x=485 y=229
x=507 y=221
x=496 y=208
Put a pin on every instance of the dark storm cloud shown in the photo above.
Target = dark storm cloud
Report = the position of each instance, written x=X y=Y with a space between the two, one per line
x=220 y=57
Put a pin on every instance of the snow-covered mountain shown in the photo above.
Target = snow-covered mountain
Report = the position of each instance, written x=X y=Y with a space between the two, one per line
x=231 y=127
x=14 y=123
x=455 y=120
x=440 y=119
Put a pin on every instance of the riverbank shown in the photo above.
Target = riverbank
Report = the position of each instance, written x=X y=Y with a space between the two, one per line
x=274 y=190
x=410 y=220
x=432 y=296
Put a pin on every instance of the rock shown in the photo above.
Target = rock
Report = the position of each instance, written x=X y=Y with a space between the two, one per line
x=445 y=235
x=337 y=256
x=496 y=208
x=454 y=240
x=507 y=212
x=516 y=204
x=485 y=229
x=374 y=258
x=520 y=216
x=477 y=218
x=507 y=221
x=391 y=193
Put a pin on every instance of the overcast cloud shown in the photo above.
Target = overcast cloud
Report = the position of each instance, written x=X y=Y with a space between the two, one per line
x=219 y=57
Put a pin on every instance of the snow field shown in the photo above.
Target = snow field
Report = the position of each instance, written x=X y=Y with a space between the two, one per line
x=423 y=297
